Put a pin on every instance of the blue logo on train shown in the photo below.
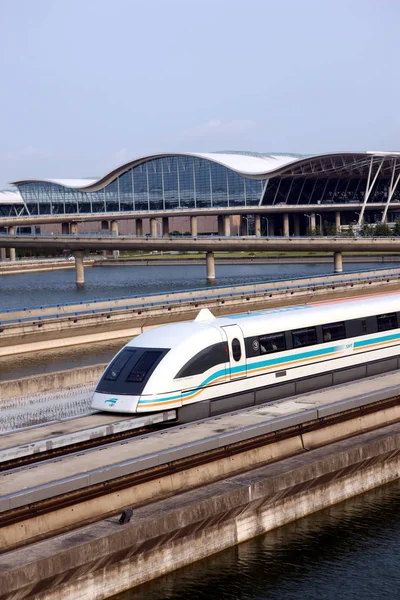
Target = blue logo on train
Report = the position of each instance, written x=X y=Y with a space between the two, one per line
x=111 y=401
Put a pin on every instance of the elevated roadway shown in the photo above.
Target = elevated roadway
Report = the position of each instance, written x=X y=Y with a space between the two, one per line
x=81 y=242
x=78 y=244
x=188 y=212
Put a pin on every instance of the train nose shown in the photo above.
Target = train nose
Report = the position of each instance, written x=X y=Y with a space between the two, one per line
x=110 y=403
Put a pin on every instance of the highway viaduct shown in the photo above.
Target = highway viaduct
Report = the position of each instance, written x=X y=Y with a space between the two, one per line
x=288 y=217
x=78 y=244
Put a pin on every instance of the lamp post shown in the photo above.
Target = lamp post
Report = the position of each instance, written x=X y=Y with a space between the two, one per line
x=266 y=218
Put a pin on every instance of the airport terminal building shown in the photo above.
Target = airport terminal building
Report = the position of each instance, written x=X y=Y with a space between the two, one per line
x=362 y=186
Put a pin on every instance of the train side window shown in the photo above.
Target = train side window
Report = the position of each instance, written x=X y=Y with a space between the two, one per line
x=388 y=321
x=304 y=337
x=364 y=326
x=236 y=350
x=143 y=365
x=118 y=364
x=333 y=332
x=204 y=360
x=275 y=342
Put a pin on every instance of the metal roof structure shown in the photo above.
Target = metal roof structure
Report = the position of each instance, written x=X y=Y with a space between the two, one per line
x=11 y=197
x=257 y=165
x=370 y=166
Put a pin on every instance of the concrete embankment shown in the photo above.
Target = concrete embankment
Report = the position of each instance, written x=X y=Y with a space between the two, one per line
x=103 y=558
x=18 y=267
x=246 y=260
x=60 y=380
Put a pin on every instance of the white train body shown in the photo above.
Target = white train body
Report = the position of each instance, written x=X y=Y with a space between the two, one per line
x=181 y=364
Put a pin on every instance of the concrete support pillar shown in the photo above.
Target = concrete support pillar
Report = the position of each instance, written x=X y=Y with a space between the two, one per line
x=65 y=228
x=139 y=227
x=243 y=226
x=210 y=263
x=337 y=221
x=165 y=226
x=257 y=225
x=114 y=227
x=313 y=222
x=153 y=227
x=114 y=231
x=338 y=262
x=74 y=228
x=3 y=254
x=297 y=225
x=286 y=225
x=80 y=274
x=11 y=231
x=227 y=225
x=220 y=225
x=193 y=226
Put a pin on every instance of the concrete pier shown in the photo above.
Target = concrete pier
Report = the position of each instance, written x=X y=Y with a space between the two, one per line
x=80 y=273
x=337 y=221
x=210 y=264
x=193 y=226
x=153 y=227
x=114 y=231
x=313 y=222
x=74 y=228
x=338 y=262
x=286 y=225
x=227 y=225
x=11 y=231
x=3 y=254
x=257 y=225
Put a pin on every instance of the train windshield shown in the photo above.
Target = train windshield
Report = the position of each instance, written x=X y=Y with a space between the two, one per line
x=130 y=370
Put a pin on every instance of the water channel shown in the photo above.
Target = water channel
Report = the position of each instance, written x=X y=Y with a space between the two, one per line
x=58 y=287
x=347 y=552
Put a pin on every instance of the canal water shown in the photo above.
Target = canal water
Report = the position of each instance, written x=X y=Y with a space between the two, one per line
x=347 y=552
x=58 y=287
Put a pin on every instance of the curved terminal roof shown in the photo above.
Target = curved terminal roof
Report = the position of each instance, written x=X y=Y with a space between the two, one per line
x=10 y=197
x=258 y=166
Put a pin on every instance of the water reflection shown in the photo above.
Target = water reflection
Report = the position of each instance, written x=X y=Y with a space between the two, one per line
x=347 y=552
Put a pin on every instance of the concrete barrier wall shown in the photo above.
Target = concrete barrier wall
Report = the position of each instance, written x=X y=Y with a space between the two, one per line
x=50 y=381
x=104 y=559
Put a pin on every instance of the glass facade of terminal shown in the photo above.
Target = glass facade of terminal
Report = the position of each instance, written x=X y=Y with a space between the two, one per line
x=325 y=190
x=171 y=182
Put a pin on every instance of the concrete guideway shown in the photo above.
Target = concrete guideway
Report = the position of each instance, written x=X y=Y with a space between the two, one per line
x=24 y=443
x=122 y=318
x=27 y=486
x=172 y=532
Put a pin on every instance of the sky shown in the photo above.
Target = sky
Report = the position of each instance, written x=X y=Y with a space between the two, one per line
x=87 y=85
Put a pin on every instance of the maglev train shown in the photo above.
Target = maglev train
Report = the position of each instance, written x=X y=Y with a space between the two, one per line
x=215 y=364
